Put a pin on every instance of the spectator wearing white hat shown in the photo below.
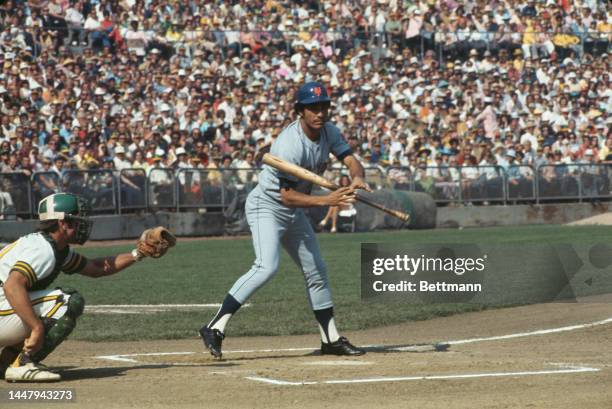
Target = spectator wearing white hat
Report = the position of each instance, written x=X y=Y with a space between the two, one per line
x=120 y=160
x=489 y=118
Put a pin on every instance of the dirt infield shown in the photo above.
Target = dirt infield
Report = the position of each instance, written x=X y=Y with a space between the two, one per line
x=569 y=366
x=600 y=219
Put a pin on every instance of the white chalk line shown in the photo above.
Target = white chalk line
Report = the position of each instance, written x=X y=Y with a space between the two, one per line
x=146 y=308
x=567 y=370
x=530 y=333
x=337 y=363
x=124 y=357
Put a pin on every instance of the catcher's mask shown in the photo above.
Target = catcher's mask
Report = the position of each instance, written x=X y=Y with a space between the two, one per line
x=71 y=208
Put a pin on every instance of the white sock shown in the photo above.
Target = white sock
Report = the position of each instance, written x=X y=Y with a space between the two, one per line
x=222 y=322
x=331 y=330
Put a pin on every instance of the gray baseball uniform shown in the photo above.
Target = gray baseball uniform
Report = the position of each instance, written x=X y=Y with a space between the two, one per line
x=273 y=224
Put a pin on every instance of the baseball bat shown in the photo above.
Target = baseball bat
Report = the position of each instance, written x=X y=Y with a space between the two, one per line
x=304 y=174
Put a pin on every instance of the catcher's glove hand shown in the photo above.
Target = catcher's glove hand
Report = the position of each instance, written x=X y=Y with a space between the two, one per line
x=155 y=242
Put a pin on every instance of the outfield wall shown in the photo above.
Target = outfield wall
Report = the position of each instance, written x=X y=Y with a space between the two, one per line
x=126 y=226
x=485 y=216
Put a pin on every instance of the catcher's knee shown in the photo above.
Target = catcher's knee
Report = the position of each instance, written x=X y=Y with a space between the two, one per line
x=76 y=304
x=57 y=330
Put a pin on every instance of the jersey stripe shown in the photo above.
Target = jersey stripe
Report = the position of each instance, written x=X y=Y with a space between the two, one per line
x=26 y=275
x=71 y=263
x=77 y=263
x=7 y=249
x=34 y=302
x=25 y=269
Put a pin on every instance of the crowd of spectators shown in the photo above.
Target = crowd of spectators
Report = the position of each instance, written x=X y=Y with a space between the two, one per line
x=89 y=84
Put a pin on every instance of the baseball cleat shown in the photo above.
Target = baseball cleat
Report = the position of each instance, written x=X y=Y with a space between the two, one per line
x=30 y=372
x=341 y=347
x=212 y=340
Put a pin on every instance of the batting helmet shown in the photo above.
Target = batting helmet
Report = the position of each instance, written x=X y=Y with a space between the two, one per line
x=311 y=93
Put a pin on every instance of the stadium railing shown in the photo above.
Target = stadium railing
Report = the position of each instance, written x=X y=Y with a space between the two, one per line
x=212 y=189
x=468 y=184
x=521 y=183
x=99 y=186
x=199 y=188
x=374 y=176
x=132 y=194
x=15 y=195
x=43 y=184
x=443 y=183
x=161 y=189
x=216 y=189
x=573 y=181
x=400 y=178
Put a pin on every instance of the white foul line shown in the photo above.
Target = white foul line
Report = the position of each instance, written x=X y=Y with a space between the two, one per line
x=538 y=332
x=146 y=308
x=425 y=378
x=93 y=307
x=121 y=357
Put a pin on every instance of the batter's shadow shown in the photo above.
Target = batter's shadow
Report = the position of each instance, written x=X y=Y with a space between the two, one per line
x=385 y=349
x=73 y=373
x=263 y=357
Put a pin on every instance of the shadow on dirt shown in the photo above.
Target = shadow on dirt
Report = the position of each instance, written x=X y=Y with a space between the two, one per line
x=70 y=373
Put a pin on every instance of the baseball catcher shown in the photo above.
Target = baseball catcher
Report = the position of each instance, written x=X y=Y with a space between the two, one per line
x=34 y=320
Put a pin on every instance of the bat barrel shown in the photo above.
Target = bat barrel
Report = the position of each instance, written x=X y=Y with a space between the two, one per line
x=405 y=217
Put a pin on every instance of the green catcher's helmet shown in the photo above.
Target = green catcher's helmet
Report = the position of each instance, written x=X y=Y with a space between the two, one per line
x=69 y=207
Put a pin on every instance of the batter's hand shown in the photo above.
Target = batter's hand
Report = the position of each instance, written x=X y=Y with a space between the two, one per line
x=341 y=197
x=359 y=183
x=35 y=341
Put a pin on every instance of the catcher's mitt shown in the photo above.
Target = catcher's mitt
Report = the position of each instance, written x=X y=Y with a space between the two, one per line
x=155 y=242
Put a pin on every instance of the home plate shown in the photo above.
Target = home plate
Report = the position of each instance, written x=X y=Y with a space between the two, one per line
x=337 y=363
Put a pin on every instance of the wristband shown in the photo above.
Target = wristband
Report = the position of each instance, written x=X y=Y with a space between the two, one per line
x=136 y=255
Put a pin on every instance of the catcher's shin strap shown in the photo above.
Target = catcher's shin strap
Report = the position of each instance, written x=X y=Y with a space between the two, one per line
x=57 y=330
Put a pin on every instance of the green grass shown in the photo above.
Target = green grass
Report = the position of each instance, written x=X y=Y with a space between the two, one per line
x=203 y=271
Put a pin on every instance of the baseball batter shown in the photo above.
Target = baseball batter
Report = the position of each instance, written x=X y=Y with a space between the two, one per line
x=34 y=320
x=274 y=211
